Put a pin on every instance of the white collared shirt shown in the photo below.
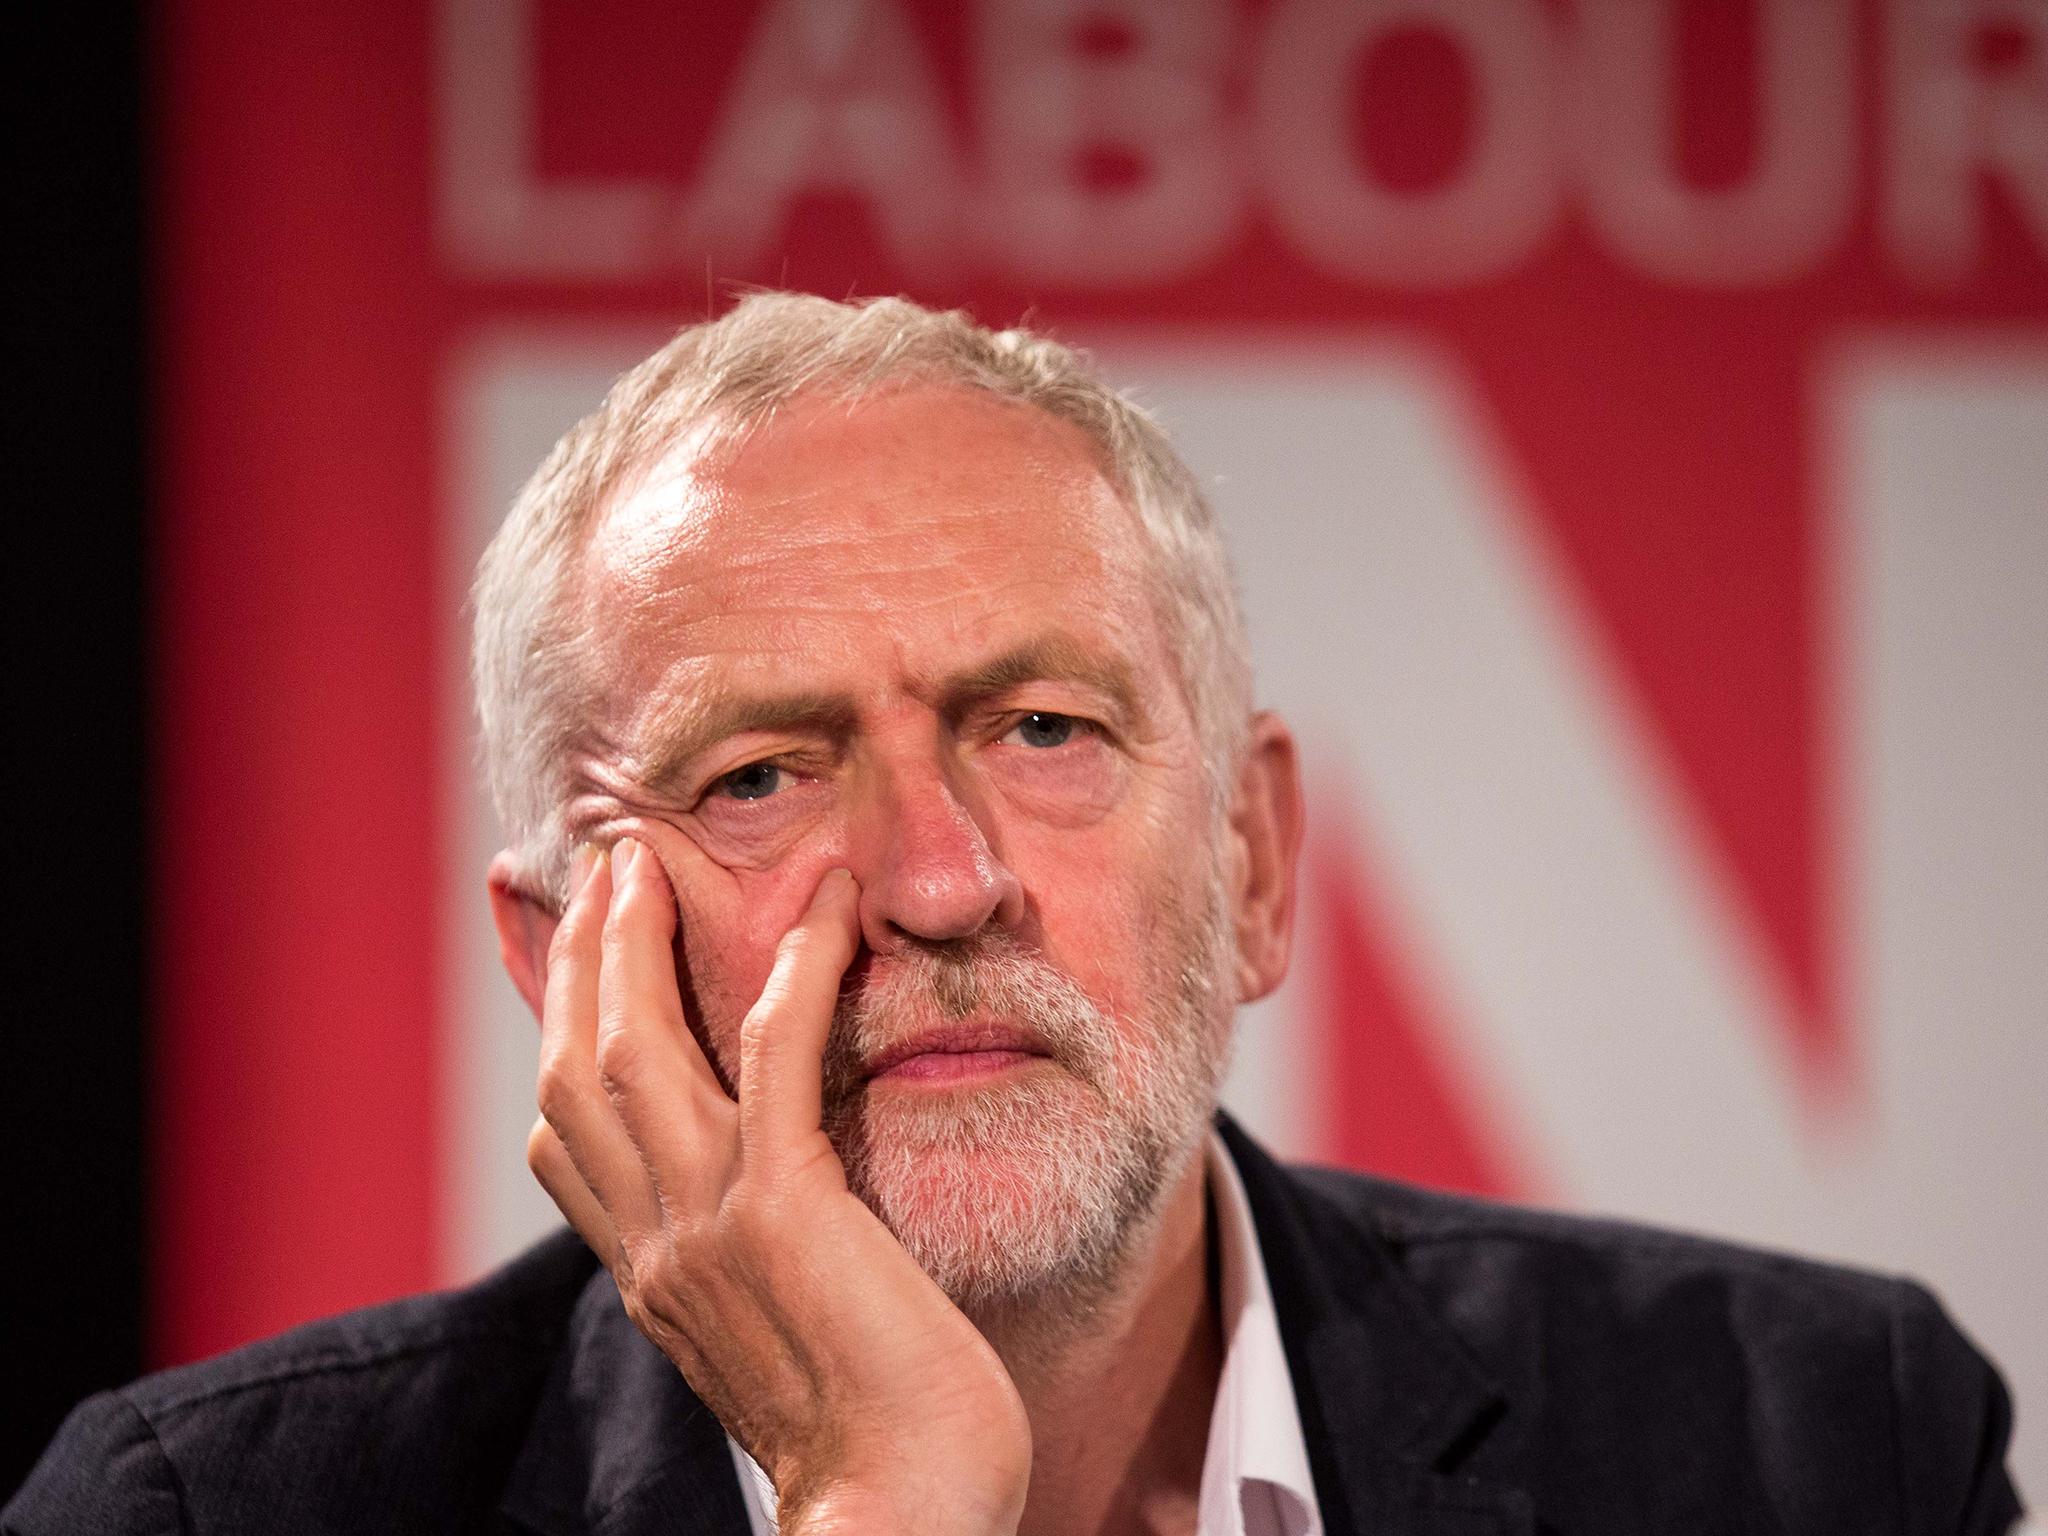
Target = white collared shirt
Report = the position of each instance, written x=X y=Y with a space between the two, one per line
x=1255 y=1477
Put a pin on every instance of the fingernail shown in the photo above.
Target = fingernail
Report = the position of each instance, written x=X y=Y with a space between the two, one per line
x=835 y=880
x=582 y=865
x=624 y=852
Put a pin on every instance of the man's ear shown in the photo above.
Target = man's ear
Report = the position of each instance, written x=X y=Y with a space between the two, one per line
x=1266 y=831
x=525 y=930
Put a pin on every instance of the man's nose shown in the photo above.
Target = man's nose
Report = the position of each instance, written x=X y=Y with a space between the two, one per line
x=926 y=867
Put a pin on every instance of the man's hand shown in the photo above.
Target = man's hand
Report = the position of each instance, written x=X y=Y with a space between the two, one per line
x=820 y=1344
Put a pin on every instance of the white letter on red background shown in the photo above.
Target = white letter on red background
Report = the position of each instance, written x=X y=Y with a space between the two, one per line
x=1796 y=203
x=1045 y=102
x=832 y=95
x=1481 y=223
x=495 y=217
x=1953 y=123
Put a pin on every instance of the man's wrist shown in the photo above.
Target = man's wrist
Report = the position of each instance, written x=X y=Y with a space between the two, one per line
x=852 y=1508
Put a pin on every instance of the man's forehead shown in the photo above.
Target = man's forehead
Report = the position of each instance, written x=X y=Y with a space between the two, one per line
x=947 y=463
x=878 y=546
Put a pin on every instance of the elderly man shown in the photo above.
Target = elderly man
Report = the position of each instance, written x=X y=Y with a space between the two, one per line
x=891 y=840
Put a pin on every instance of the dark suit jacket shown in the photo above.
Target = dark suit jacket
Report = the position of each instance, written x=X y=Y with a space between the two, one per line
x=1460 y=1367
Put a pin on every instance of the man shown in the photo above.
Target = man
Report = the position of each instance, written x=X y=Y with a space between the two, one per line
x=891 y=839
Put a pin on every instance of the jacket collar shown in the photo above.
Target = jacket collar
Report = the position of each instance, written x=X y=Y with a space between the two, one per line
x=1392 y=1404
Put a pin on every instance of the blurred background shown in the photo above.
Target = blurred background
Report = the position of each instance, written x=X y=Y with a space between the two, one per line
x=1630 y=417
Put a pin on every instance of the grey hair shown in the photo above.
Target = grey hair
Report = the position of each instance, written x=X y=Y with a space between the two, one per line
x=719 y=380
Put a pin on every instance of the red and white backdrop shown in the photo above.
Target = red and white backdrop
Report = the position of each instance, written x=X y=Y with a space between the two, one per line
x=1630 y=416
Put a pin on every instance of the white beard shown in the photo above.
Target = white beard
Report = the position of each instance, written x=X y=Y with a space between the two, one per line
x=1033 y=1187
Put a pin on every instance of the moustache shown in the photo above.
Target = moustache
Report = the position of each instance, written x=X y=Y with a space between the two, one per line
x=992 y=977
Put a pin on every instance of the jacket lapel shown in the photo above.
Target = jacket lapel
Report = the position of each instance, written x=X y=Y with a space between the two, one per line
x=1392 y=1405
x=620 y=1440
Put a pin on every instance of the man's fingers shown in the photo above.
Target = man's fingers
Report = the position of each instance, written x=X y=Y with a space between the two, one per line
x=661 y=1087
x=556 y=1171
x=571 y=1099
x=782 y=1041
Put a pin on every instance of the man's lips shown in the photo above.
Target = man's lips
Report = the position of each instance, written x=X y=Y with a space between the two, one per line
x=955 y=1051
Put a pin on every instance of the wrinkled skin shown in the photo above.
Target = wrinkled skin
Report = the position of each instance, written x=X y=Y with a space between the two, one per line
x=912 y=640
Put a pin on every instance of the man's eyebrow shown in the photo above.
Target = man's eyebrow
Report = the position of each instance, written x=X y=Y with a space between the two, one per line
x=691 y=728
x=705 y=720
x=1050 y=658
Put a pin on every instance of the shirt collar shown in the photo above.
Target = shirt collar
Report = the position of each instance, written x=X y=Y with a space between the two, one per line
x=1255 y=1473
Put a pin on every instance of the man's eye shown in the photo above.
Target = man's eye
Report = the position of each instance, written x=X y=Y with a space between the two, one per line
x=756 y=781
x=1042 y=728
